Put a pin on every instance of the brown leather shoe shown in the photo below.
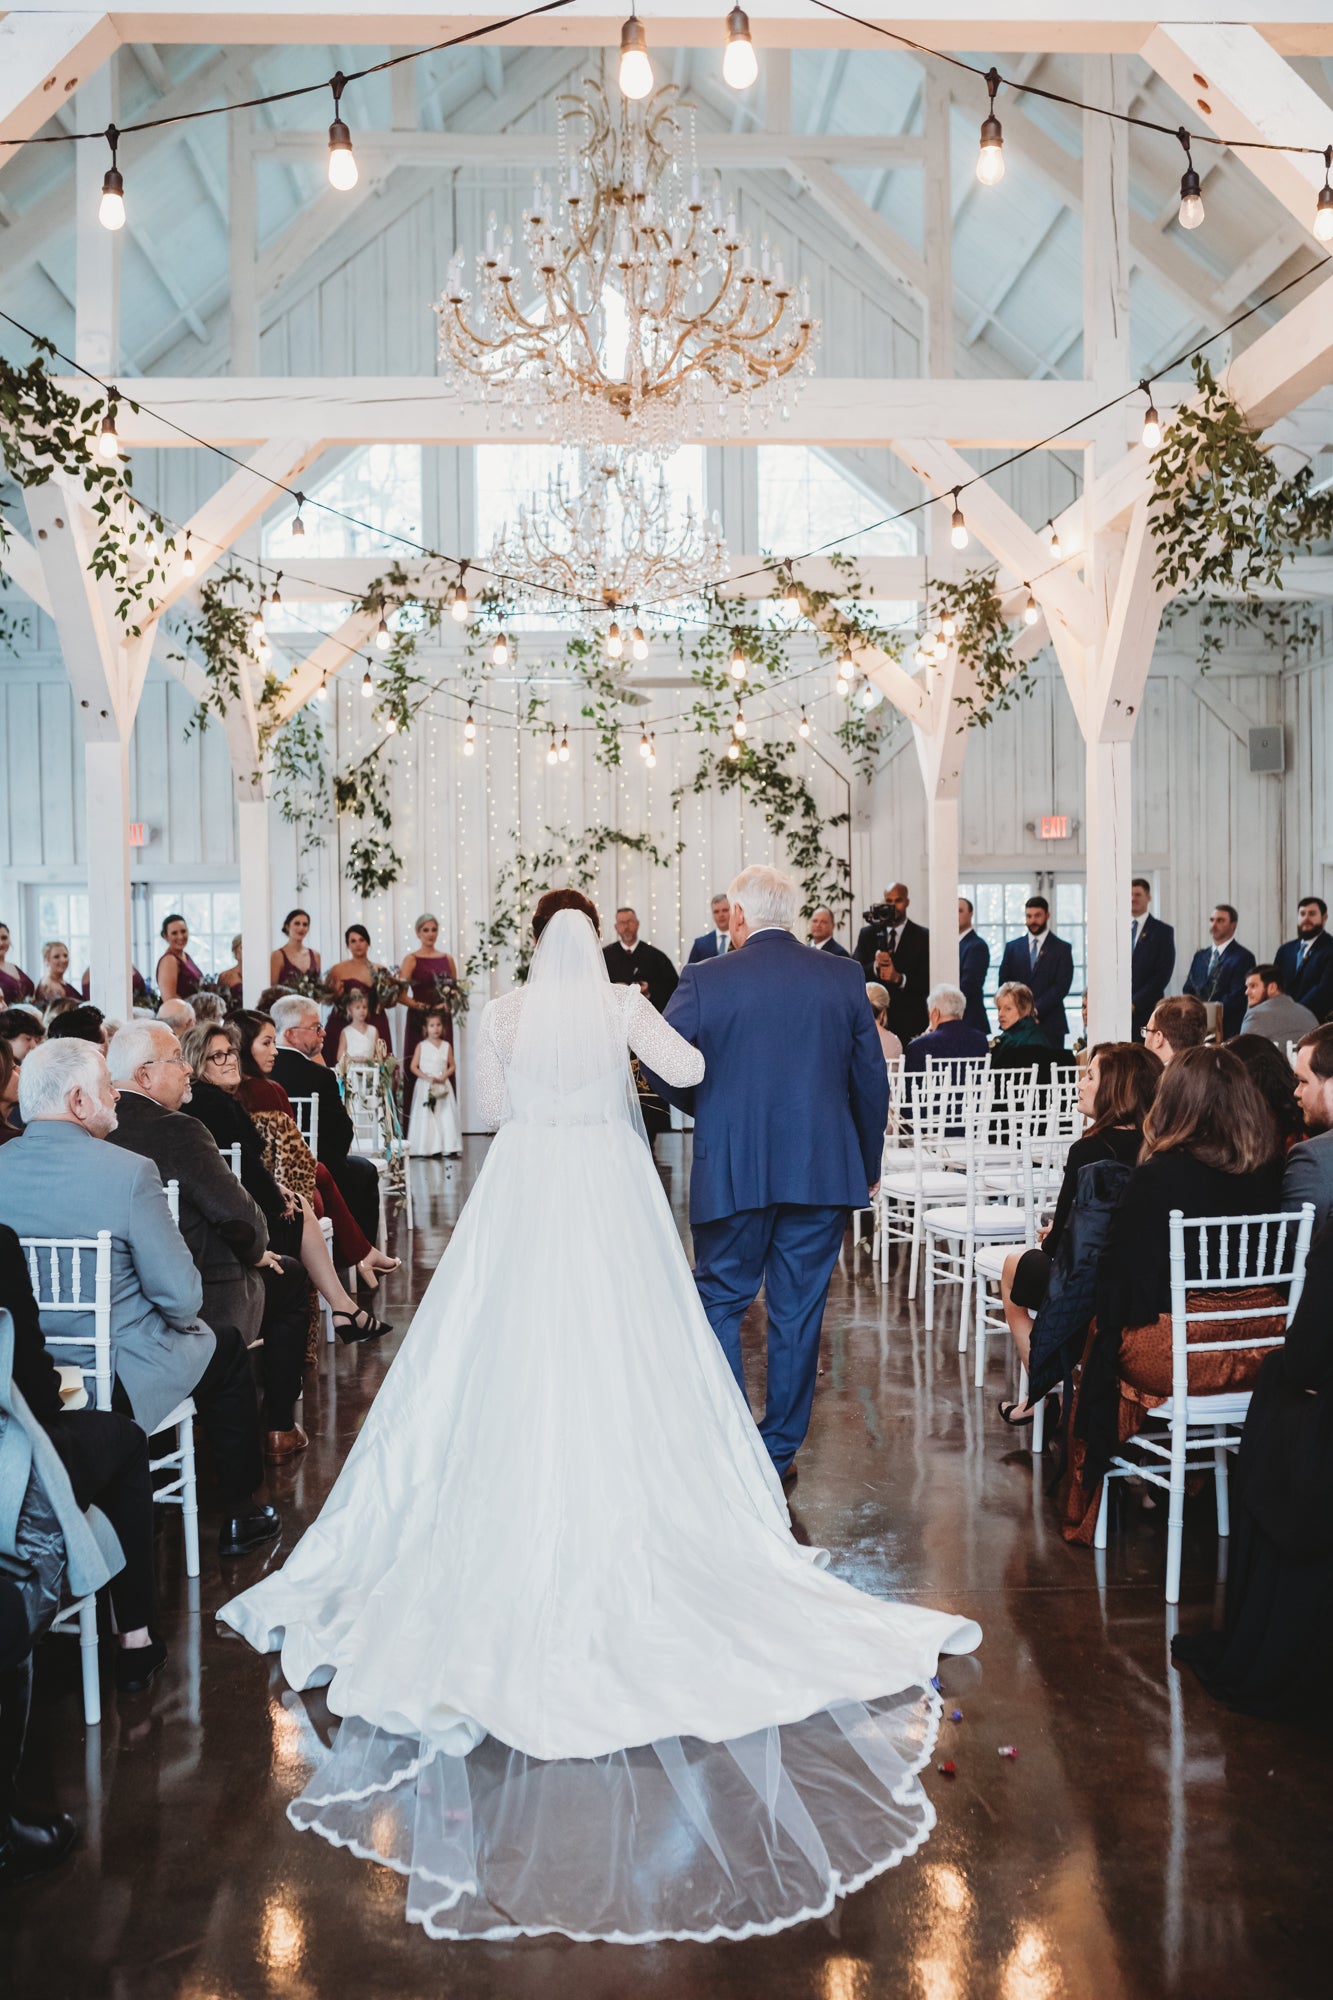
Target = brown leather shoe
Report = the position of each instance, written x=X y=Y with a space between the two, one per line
x=284 y=1444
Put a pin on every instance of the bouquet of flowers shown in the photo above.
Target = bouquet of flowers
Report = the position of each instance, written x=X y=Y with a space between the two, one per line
x=309 y=984
x=386 y=989
x=453 y=994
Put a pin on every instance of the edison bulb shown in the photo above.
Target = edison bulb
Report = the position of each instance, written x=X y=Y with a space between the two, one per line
x=740 y=65
x=1152 y=429
x=1030 y=611
x=342 y=160
x=636 y=72
x=111 y=208
x=1323 y=214
x=990 y=160
x=958 y=529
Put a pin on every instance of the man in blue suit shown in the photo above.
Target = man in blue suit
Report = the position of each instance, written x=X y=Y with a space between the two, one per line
x=949 y=1035
x=1152 y=947
x=821 y=933
x=1306 y=961
x=973 y=965
x=782 y=1149
x=717 y=942
x=1220 y=970
x=1043 y=963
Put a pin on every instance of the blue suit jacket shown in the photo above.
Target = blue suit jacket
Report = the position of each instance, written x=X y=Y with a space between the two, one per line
x=950 y=1039
x=1049 y=982
x=973 y=965
x=833 y=948
x=795 y=1097
x=1312 y=982
x=706 y=947
x=1152 y=962
x=1233 y=969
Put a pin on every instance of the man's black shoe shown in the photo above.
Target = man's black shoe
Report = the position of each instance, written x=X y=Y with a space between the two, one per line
x=242 y=1532
x=30 y=1847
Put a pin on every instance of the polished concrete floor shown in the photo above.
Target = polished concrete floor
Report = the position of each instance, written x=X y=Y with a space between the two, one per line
x=1142 y=1842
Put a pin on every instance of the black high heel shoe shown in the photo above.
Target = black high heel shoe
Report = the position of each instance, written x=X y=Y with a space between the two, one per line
x=360 y=1325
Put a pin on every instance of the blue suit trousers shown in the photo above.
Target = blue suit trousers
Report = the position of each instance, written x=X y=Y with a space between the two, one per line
x=790 y=1248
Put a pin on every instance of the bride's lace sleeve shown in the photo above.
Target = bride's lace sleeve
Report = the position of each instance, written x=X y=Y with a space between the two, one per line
x=488 y=1063
x=656 y=1043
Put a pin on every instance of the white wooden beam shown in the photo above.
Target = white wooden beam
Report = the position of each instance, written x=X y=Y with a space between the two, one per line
x=776 y=150
x=44 y=57
x=215 y=527
x=937 y=226
x=20 y=561
x=242 y=243
x=880 y=241
x=326 y=662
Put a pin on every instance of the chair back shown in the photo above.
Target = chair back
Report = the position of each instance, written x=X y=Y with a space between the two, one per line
x=953 y=1114
x=72 y=1275
x=1224 y=1254
x=174 y=1200
x=232 y=1155
x=306 y=1112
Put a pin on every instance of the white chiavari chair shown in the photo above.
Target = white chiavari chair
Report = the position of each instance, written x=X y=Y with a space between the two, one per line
x=931 y=1114
x=305 y=1110
x=952 y=1230
x=1229 y=1254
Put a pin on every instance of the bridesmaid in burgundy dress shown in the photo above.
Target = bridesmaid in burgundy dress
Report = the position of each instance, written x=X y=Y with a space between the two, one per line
x=53 y=985
x=419 y=972
x=356 y=970
x=178 y=977
x=15 y=986
x=294 y=960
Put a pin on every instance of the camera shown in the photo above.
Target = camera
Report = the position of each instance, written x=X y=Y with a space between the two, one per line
x=882 y=916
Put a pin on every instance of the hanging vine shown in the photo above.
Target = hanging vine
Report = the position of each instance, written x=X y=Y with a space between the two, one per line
x=569 y=860
x=985 y=641
x=791 y=814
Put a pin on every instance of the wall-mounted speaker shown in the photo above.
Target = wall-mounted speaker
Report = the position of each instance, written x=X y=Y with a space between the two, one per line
x=1268 y=749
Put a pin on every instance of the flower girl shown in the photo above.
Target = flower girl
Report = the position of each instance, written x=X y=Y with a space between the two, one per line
x=434 y=1126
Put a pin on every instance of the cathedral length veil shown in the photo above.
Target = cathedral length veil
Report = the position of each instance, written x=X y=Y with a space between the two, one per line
x=589 y=1682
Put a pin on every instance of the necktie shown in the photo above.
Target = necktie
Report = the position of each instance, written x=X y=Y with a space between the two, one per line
x=1304 y=948
x=1133 y=933
x=1214 y=962
x=722 y=943
x=893 y=942
x=1034 y=947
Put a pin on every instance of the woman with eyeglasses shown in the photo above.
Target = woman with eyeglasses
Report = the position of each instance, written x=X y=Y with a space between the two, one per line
x=213 y=1054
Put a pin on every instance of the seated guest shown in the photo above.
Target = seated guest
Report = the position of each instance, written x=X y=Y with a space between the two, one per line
x=82 y=1023
x=293 y=1227
x=1115 y=1095
x=53 y=984
x=1271 y=1010
x=1176 y=1025
x=1020 y=1039
x=9 y=1092
x=717 y=941
x=296 y=1024
x=879 y=1006
x=1208 y=1149
x=61 y=1180
x=1219 y=971
x=105 y=1456
x=1043 y=964
x=268 y=999
x=1309 y=1171
x=246 y=1285
x=208 y=1007
x=948 y=1035
x=22 y=1029
x=822 y=938
x=1270 y=1073
x=1271 y=1656
x=178 y=1015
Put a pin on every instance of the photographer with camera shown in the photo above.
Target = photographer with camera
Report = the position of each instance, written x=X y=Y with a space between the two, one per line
x=896 y=952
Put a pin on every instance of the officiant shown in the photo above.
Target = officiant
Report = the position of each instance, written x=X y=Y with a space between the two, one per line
x=631 y=962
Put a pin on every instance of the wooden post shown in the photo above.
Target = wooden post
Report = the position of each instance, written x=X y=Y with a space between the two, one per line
x=106 y=768
x=256 y=882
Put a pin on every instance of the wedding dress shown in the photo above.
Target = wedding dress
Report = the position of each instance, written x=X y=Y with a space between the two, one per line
x=590 y=1683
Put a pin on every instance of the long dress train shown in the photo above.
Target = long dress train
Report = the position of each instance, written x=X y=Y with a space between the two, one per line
x=590 y=1682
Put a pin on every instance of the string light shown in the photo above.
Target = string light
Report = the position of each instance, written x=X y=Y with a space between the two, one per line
x=740 y=666
x=391 y=724
x=990 y=160
x=740 y=65
x=1191 y=188
x=500 y=651
x=740 y=728
x=469 y=734
x=298 y=525
x=638 y=643
x=564 y=745
x=846 y=688
x=958 y=526
x=257 y=621
x=552 y=753
x=1054 y=538
x=458 y=602
x=733 y=750
x=615 y=643
x=383 y=636
x=651 y=759
x=791 y=596
x=111 y=208
x=322 y=691
x=636 y=72
x=367 y=685
x=1152 y=423
x=949 y=625
x=803 y=726
x=108 y=444
x=645 y=747
x=1030 y=612
x=1323 y=208
x=275 y=595
x=187 y=560
x=342 y=161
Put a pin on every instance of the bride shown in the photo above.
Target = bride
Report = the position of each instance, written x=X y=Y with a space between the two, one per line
x=589 y=1682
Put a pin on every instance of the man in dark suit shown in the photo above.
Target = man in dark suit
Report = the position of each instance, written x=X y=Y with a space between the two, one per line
x=246 y=1285
x=1306 y=961
x=714 y=943
x=973 y=965
x=782 y=1149
x=1309 y=1169
x=296 y=1022
x=896 y=953
x=1043 y=963
x=949 y=1035
x=1152 y=948
x=821 y=934
x=631 y=962
x=1220 y=970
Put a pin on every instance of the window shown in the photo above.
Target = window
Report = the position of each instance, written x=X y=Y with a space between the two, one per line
x=380 y=485
x=58 y=914
x=806 y=499
x=998 y=916
x=214 y=917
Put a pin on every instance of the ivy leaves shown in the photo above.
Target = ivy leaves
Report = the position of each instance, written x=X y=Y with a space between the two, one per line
x=791 y=814
x=985 y=641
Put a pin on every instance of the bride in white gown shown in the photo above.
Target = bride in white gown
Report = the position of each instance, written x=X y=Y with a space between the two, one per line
x=589 y=1682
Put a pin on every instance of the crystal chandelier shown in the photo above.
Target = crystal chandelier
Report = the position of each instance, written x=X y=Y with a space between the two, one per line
x=612 y=536
x=642 y=303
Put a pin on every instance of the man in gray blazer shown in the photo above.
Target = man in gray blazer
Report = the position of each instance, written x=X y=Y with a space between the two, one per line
x=246 y=1285
x=59 y=1180
x=1309 y=1170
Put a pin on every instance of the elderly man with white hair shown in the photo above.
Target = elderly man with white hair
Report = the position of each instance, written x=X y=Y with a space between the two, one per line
x=178 y=1015
x=789 y=1127
x=58 y=1179
x=949 y=1035
x=296 y=1024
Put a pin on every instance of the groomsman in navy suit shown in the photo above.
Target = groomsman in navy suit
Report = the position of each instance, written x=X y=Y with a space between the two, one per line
x=714 y=943
x=1152 y=947
x=1219 y=971
x=1043 y=963
x=821 y=934
x=1306 y=962
x=788 y=1134
x=973 y=965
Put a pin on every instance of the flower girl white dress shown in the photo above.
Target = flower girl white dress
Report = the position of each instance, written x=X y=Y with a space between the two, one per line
x=589 y=1682
x=434 y=1127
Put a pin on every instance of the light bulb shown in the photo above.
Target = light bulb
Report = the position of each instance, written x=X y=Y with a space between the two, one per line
x=1191 y=190
x=187 y=560
x=383 y=636
x=638 y=643
x=803 y=726
x=644 y=745
x=367 y=685
x=108 y=444
x=636 y=72
x=564 y=748
x=1055 y=538
x=500 y=651
x=552 y=754
x=469 y=747
x=740 y=65
x=298 y=525
x=275 y=595
x=458 y=604
x=1323 y=214
x=1152 y=429
x=651 y=758
x=733 y=750
x=740 y=666
x=391 y=725
x=990 y=160
x=469 y=727
x=111 y=208
x=740 y=728
x=257 y=622
x=1030 y=612
x=322 y=691
x=957 y=526
x=948 y=625
x=615 y=644
x=846 y=688
x=342 y=160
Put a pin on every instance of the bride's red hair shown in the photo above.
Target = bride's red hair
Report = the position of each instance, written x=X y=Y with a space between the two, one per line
x=564 y=899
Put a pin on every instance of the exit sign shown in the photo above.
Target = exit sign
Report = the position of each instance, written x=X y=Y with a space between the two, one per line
x=136 y=833
x=1055 y=826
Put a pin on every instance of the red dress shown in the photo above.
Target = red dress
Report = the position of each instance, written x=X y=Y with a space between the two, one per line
x=428 y=969
x=15 y=986
x=188 y=976
x=289 y=974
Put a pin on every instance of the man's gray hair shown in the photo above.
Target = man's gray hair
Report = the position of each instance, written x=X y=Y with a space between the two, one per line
x=290 y=1013
x=178 y=1015
x=768 y=898
x=950 y=1002
x=208 y=1007
x=52 y=1070
x=138 y=1042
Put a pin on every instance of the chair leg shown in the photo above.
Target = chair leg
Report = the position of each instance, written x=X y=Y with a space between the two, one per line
x=1220 y=1481
x=883 y=1238
x=1039 y=1425
x=965 y=1303
x=930 y=1279
x=1175 y=1520
x=1103 y=1510
x=92 y=1684
x=979 y=1334
x=189 y=1496
x=915 y=1265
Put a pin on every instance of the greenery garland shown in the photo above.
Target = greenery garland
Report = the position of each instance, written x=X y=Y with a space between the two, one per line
x=507 y=934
